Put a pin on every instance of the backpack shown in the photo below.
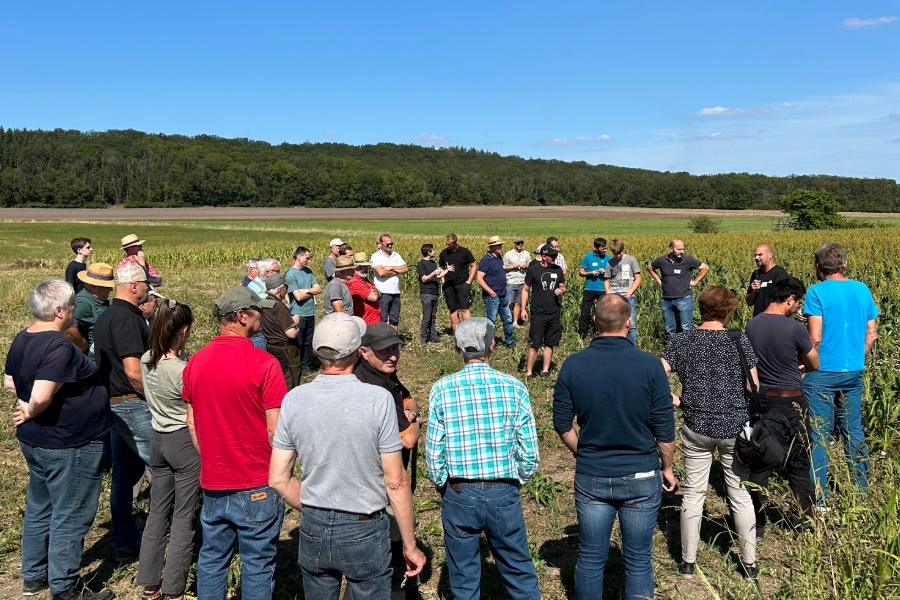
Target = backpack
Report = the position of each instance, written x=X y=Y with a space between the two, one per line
x=765 y=442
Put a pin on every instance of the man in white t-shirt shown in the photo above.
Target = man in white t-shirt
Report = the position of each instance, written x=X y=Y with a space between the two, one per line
x=388 y=265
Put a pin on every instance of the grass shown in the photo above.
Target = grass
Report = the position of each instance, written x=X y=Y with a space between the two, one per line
x=853 y=552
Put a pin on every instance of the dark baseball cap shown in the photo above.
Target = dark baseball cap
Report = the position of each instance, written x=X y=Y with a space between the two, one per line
x=549 y=250
x=379 y=336
x=235 y=298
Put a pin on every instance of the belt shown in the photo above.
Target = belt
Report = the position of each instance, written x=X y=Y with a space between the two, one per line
x=359 y=516
x=113 y=400
x=772 y=393
x=454 y=482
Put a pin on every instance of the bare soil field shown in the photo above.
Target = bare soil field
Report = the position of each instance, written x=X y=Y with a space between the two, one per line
x=233 y=213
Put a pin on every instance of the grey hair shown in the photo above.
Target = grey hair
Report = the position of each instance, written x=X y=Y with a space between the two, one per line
x=49 y=295
x=266 y=264
x=831 y=258
x=252 y=263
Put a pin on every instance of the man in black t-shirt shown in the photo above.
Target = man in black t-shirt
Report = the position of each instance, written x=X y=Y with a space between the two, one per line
x=457 y=280
x=781 y=343
x=121 y=336
x=676 y=276
x=767 y=273
x=545 y=285
x=81 y=246
x=429 y=292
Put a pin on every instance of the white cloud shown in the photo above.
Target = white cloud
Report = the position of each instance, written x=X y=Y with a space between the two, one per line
x=331 y=132
x=722 y=111
x=855 y=23
x=716 y=137
x=430 y=139
x=786 y=105
x=581 y=139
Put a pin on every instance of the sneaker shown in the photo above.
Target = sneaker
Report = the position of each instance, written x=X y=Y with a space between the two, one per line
x=157 y=595
x=85 y=594
x=33 y=588
x=750 y=571
x=129 y=554
x=760 y=532
x=686 y=569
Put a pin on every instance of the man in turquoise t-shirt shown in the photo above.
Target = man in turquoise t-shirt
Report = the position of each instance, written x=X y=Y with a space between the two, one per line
x=302 y=289
x=842 y=325
x=592 y=268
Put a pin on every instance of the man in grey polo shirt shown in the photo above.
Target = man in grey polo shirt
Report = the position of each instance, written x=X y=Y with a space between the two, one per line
x=366 y=453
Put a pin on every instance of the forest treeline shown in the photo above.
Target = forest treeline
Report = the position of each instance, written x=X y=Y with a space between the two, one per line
x=68 y=168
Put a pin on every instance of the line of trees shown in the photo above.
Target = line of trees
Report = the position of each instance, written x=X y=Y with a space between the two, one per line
x=68 y=168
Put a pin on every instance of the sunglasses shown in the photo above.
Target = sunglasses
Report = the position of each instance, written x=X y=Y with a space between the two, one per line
x=391 y=245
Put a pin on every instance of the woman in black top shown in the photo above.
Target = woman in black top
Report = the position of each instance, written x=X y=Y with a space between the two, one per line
x=713 y=399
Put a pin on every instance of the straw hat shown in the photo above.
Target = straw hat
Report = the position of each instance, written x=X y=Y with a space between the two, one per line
x=494 y=241
x=131 y=240
x=361 y=259
x=99 y=274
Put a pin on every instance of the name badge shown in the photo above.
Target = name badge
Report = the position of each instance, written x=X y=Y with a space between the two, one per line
x=764 y=284
x=258 y=496
x=677 y=271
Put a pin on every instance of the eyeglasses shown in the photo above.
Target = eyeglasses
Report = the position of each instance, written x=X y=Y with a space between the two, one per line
x=518 y=243
x=391 y=245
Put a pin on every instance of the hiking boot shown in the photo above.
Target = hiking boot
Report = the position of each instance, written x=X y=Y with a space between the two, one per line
x=686 y=569
x=33 y=588
x=129 y=554
x=750 y=571
x=85 y=594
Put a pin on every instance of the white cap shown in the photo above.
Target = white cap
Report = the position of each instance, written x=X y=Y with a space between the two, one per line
x=340 y=332
x=336 y=242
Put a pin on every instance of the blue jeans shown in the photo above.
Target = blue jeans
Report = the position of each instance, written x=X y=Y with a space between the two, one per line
x=131 y=434
x=495 y=510
x=632 y=333
x=685 y=308
x=259 y=340
x=836 y=396
x=335 y=543
x=63 y=493
x=597 y=501
x=246 y=521
x=498 y=304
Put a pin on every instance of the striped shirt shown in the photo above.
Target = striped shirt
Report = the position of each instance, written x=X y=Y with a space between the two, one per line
x=480 y=427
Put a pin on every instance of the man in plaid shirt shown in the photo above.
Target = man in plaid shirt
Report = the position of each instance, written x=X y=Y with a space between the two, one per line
x=481 y=446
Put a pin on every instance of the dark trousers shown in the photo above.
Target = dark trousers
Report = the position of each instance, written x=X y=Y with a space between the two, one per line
x=428 y=329
x=797 y=467
x=288 y=356
x=586 y=319
x=303 y=341
x=174 y=497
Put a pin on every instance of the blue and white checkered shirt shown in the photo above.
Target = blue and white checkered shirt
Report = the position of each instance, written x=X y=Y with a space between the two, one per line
x=480 y=427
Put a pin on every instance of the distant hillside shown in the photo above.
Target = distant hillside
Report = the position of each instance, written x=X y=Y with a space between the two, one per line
x=133 y=169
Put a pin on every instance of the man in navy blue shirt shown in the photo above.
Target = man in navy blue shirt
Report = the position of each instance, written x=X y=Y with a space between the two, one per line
x=623 y=450
x=491 y=277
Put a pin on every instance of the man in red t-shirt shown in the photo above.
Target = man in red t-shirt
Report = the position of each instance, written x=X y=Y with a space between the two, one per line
x=234 y=392
x=365 y=294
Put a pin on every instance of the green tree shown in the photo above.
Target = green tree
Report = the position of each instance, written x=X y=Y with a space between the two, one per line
x=812 y=209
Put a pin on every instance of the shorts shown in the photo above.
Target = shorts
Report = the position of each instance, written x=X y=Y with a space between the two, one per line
x=458 y=296
x=514 y=292
x=545 y=330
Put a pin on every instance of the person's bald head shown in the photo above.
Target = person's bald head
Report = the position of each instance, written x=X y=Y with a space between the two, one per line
x=764 y=257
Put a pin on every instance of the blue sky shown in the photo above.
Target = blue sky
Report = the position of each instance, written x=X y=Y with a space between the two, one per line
x=768 y=87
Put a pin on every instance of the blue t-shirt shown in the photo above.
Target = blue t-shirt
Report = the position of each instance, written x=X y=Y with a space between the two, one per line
x=301 y=279
x=592 y=262
x=846 y=306
x=494 y=274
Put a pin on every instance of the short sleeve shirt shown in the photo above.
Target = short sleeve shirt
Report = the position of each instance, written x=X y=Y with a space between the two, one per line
x=301 y=279
x=542 y=282
x=494 y=274
x=427 y=267
x=328 y=267
x=79 y=412
x=360 y=289
x=766 y=281
x=72 y=271
x=676 y=275
x=336 y=289
x=620 y=273
x=778 y=342
x=162 y=387
x=593 y=262
x=516 y=276
x=230 y=384
x=846 y=307
x=460 y=261
x=275 y=321
x=712 y=380
x=390 y=284
x=119 y=332
x=87 y=309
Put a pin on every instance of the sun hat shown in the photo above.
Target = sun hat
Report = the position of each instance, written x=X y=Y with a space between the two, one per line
x=344 y=262
x=361 y=259
x=99 y=274
x=131 y=240
x=494 y=241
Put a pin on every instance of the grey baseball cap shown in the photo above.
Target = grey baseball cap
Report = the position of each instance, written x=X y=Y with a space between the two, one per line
x=340 y=332
x=474 y=336
x=274 y=281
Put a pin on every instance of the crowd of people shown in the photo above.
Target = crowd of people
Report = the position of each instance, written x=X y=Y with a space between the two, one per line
x=221 y=431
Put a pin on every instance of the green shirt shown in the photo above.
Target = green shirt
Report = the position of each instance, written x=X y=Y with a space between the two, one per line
x=87 y=309
x=301 y=279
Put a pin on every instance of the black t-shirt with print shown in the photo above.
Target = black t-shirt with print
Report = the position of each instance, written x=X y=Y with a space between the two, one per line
x=542 y=283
